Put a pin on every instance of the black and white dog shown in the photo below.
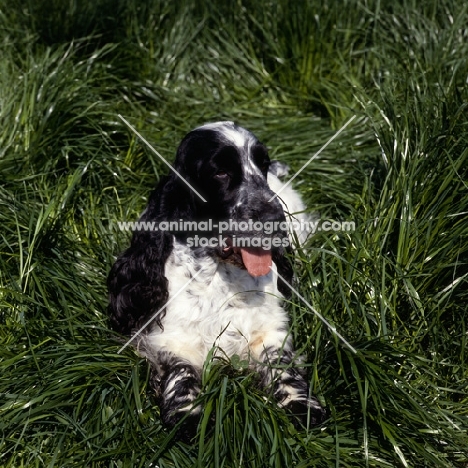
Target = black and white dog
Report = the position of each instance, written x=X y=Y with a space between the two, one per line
x=232 y=302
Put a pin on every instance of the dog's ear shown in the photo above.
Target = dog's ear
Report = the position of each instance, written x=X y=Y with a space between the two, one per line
x=278 y=169
x=137 y=286
x=136 y=283
x=282 y=258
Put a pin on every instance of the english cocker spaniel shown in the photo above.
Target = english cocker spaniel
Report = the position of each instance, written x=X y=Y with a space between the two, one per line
x=211 y=263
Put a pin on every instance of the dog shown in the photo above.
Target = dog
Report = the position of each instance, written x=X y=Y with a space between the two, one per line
x=209 y=291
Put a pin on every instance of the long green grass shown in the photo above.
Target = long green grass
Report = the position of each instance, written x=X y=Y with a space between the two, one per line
x=293 y=72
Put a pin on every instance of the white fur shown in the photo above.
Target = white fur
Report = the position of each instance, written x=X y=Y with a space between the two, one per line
x=293 y=206
x=239 y=137
x=224 y=306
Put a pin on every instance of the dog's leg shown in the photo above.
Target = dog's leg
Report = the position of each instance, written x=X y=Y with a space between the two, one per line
x=177 y=384
x=282 y=374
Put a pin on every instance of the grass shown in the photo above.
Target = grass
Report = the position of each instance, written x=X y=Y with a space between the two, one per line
x=294 y=73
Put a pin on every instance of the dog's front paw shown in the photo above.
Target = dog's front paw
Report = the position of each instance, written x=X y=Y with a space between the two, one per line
x=185 y=425
x=306 y=412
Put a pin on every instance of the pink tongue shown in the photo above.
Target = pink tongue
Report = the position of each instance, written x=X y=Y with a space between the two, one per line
x=256 y=260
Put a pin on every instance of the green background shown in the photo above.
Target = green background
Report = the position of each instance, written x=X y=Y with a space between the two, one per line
x=293 y=72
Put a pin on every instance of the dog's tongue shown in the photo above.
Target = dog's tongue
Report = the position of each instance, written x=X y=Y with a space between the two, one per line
x=256 y=260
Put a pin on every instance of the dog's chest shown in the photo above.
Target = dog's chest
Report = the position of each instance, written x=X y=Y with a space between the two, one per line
x=216 y=302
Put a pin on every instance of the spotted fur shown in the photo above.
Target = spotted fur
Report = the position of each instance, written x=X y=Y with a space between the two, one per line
x=224 y=307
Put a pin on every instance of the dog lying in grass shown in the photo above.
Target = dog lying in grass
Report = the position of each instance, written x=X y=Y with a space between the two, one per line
x=206 y=288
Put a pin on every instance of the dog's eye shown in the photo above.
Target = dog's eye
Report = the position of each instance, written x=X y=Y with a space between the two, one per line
x=221 y=175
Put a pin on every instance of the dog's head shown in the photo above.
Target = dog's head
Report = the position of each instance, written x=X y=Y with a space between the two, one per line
x=228 y=166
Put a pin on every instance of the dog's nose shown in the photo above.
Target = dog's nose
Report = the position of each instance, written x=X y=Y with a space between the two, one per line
x=267 y=211
x=271 y=212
